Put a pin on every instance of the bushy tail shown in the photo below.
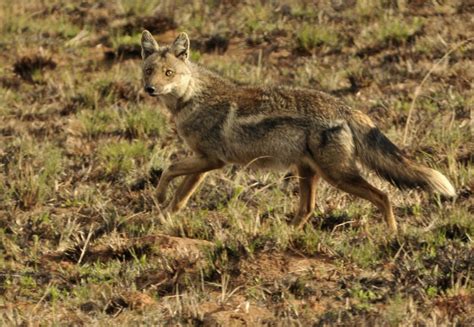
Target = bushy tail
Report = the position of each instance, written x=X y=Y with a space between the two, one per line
x=377 y=152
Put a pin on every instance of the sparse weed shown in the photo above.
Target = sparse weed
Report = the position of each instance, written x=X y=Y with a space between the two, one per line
x=396 y=30
x=96 y=122
x=257 y=18
x=390 y=31
x=367 y=9
x=32 y=174
x=363 y=297
x=396 y=310
x=311 y=37
x=120 y=158
x=143 y=122
x=131 y=7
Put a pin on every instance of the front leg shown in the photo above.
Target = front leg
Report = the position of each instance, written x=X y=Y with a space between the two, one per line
x=184 y=191
x=193 y=165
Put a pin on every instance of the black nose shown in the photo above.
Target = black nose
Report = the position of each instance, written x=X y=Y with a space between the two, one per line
x=150 y=89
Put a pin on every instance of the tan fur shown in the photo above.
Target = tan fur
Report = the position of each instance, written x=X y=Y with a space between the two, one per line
x=224 y=122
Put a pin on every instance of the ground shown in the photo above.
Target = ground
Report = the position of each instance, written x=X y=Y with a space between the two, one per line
x=82 y=241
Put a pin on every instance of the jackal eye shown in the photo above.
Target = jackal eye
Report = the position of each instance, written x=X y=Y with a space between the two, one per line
x=168 y=72
x=148 y=71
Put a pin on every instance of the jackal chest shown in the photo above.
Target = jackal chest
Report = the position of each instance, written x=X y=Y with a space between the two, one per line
x=201 y=129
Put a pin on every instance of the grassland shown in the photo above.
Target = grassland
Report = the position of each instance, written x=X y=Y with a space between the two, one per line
x=82 y=241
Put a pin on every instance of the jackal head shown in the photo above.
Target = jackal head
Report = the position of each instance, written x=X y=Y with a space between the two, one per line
x=166 y=69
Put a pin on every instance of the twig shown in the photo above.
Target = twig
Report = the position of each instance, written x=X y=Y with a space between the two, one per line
x=85 y=245
x=342 y=224
x=43 y=297
x=418 y=88
x=398 y=252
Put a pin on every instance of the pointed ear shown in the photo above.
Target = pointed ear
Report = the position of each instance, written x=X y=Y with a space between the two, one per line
x=149 y=45
x=180 y=46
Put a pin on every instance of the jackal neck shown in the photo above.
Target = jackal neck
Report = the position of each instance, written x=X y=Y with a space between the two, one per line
x=194 y=85
x=203 y=83
x=209 y=84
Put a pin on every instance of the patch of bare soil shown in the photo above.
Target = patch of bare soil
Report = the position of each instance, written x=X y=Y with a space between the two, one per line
x=117 y=247
x=295 y=280
x=123 y=52
x=156 y=24
x=26 y=66
x=130 y=300
x=275 y=265
x=215 y=43
x=242 y=314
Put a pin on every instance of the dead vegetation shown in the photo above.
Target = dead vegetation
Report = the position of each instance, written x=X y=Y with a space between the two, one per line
x=82 y=240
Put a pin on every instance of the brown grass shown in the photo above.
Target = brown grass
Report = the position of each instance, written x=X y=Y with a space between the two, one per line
x=82 y=240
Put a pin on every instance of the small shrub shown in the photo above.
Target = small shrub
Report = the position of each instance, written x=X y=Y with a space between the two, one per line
x=31 y=174
x=121 y=157
x=311 y=37
x=390 y=31
x=144 y=122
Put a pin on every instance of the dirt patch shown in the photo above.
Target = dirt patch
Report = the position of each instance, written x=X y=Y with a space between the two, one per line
x=26 y=66
x=449 y=267
x=216 y=43
x=117 y=304
x=177 y=259
x=152 y=178
x=330 y=222
x=276 y=265
x=119 y=90
x=156 y=24
x=244 y=314
x=455 y=305
x=109 y=248
x=10 y=82
x=130 y=300
x=124 y=52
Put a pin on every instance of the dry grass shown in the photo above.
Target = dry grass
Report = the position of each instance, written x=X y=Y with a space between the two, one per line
x=82 y=240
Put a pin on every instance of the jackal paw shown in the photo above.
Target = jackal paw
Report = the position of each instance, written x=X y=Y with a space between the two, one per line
x=172 y=207
x=296 y=224
x=299 y=221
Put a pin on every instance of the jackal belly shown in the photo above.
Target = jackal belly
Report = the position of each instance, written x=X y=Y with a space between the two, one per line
x=259 y=140
x=268 y=142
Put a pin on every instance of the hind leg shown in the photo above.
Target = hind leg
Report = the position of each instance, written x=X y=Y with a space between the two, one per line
x=358 y=186
x=335 y=160
x=308 y=180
